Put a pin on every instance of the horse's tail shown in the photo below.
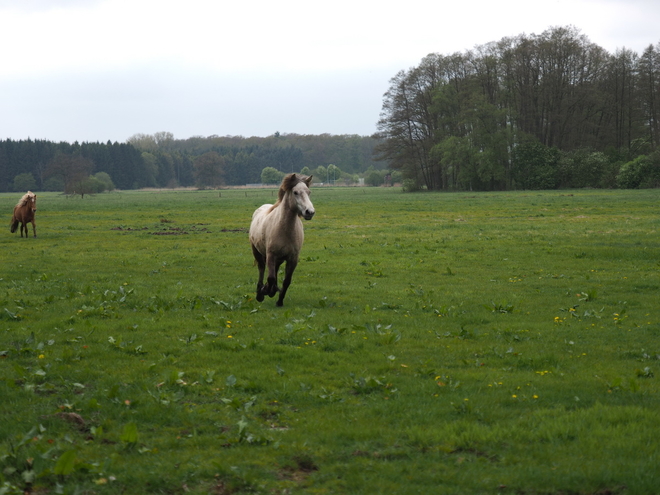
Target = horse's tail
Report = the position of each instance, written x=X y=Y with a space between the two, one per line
x=13 y=225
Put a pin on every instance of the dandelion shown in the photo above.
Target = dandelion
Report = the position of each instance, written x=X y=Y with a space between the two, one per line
x=41 y=356
x=514 y=396
x=535 y=396
x=230 y=336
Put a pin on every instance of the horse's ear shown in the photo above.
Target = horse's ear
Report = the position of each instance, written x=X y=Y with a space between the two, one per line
x=288 y=183
x=308 y=180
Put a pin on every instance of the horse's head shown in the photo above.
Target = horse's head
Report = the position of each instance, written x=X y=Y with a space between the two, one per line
x=32 y=200
x=28 y=200
x=298 y=185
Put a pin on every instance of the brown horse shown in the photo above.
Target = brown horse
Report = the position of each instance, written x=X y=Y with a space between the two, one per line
x=24 y=213
x=276 y=234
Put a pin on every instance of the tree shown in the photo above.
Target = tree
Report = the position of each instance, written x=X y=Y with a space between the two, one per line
x=270 y=175
x=146 y=176
x=24 y=182
x=332 y=173
x=209 y=170
x=143 y=142
x=72 y=169
x=321 y=173
x=409 y=122
x=650 y=91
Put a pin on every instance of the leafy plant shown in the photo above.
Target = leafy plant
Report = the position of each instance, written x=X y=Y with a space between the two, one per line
x=502 y=307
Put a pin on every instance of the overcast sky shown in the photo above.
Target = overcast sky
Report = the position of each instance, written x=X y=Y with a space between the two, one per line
x=99 y=70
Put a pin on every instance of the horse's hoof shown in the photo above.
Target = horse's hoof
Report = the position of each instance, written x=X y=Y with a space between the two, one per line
x=260 y=297
x=279 y=303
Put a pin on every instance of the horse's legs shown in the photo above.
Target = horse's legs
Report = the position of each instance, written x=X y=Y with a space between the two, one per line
x=273 y=265
x=288 y=273
x=24 y=226
x=261 y=264
x=34 y=229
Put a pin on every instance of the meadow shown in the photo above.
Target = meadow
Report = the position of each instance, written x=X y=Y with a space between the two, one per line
x=429 y=343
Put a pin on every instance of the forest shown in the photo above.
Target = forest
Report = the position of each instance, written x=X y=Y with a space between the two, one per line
x=160 y=160
x=527 y=112
x=544 y=111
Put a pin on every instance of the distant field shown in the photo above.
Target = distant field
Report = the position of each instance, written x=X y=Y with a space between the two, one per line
x=429 y=343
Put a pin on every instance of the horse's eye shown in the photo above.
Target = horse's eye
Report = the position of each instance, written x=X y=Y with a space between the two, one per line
x=295 y=192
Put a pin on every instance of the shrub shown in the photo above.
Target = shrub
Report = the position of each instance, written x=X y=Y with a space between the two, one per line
x=642 y=172
x=104 y=178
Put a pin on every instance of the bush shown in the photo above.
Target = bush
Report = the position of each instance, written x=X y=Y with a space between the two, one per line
x=104 y=178
x=374 y=178
x=642 y=172
x=410 y=185
x=535 y=166
x=585 y=168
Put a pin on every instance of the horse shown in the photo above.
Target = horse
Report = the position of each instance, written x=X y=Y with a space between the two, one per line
x=276 y=234
x=24 y=213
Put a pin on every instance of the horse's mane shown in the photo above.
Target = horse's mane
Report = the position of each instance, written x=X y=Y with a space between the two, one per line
x=25 y=198
x=289 y=182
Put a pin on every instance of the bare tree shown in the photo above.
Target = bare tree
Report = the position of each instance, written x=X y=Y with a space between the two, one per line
x=73 y=170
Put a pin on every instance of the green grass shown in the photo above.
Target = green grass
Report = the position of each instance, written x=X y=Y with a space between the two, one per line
x=429 y=343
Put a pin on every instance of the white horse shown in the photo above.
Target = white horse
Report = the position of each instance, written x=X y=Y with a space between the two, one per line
x=276 y=234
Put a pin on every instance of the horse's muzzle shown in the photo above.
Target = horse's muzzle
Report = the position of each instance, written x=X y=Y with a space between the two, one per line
x=308 y=214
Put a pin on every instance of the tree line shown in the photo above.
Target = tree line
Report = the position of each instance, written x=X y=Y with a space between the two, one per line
x=526 y=112
x=160 y=160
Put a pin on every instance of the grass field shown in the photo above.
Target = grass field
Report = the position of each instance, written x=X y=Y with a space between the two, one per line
x=429 y=343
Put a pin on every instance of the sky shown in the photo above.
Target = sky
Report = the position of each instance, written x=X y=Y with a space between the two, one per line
x=105 y=70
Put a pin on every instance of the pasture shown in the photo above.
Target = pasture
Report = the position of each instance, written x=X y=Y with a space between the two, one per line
x=429 y=343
